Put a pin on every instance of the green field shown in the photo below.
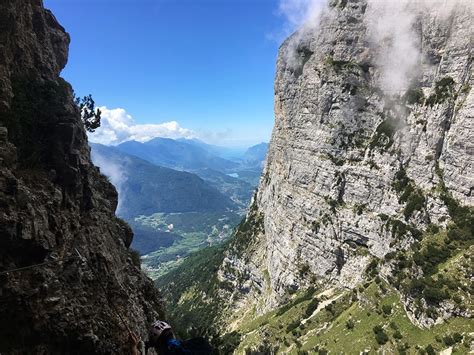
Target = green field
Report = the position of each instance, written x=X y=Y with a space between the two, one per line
x=197 y=230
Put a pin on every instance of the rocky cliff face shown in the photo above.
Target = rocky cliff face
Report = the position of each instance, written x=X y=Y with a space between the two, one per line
x=372 y=147
x=57 y=216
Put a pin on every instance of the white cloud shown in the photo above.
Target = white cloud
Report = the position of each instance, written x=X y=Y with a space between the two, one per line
x=392 y=31
x=117 y=126
x=115 y=173
x=303 y=16
x=300 y=13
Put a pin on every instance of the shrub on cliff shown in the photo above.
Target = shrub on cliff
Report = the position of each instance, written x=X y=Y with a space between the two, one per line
x=89 y=114
x=380 y=335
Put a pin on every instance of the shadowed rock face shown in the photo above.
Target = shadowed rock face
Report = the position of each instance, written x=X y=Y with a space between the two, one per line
x=54 y=201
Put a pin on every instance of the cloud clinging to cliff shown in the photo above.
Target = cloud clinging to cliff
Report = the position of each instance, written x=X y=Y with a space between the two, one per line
x=299 y=13
x=115 y=173
x=392 y=31
x=302 y=16
x=117 y=126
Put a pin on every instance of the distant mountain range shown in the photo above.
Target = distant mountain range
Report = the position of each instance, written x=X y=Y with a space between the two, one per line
x=255 y=156
x=236 y=177
x=146 y=188
x=193 y=154
x=178 y=154
x=230 y=153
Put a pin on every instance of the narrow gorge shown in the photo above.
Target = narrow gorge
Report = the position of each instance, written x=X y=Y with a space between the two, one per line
x=359 y=238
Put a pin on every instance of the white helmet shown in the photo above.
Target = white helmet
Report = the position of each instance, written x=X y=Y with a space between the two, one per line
x=158 y=328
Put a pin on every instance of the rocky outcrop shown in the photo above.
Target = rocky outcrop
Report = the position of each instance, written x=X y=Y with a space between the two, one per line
x=68 y=283
x=365 y=137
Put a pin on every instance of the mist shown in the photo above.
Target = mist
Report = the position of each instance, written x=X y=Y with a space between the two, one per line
x=115 y=174
x=302 y=16
x=391 y=31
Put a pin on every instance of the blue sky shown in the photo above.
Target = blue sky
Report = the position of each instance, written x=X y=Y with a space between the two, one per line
x=207 y=64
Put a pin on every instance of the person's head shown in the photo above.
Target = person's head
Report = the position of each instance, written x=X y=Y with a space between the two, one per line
x=159 y=335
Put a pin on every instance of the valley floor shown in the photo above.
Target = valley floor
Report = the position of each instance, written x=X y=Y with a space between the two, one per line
x=189 y=233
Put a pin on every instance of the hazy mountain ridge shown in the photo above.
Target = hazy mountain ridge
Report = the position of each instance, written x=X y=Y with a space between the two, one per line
x=236 y=179
x=147 y=188
x=255 y=155
x=176 y=154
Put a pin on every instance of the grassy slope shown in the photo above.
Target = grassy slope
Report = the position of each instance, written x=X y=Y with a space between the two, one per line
x=434 y=272
x=290 y=330
x=284 y=331
x=197 y=299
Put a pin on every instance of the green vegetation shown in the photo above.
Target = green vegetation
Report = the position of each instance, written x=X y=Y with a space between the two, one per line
x=399 y=230
x=149 y=188
x=444 y=271
x=380 y=335
x=347 y=325
x=373 y=318
x=369 y=319
x=409 y=194
x=387 y=309
x=354 y=139
x=333 y=203
x=89 y=114
x=338 y=3
x=192 y=292
x=414 y=97
x=465 y=89
x=443 y=91
x=383 y=136
x=339 y=65
x=359 y=209
x=189 y=232
x=312 y=306
x=335 y=160
x=246 y=232
x=350 y=88
x=441 y=254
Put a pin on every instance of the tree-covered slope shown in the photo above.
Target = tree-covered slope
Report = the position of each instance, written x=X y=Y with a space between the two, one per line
x=145 y=188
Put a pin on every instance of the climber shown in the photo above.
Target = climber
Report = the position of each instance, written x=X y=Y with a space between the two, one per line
x=162 y=339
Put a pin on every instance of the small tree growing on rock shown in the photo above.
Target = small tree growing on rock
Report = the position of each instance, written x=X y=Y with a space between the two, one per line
x=89 y=114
